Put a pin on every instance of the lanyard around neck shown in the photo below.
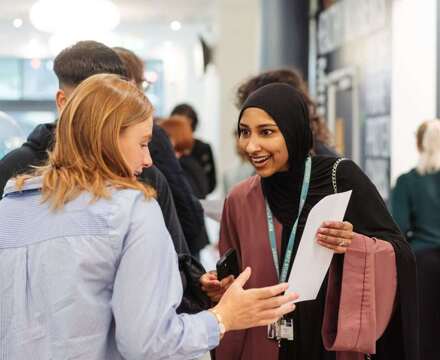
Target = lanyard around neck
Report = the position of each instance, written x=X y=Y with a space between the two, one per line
x=271 y=226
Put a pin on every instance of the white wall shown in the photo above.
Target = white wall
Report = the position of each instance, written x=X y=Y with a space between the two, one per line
x=237 y=57
x=184 y=80
x=414 y=77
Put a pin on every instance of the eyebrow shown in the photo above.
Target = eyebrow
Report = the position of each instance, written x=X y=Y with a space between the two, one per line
x=259 y=126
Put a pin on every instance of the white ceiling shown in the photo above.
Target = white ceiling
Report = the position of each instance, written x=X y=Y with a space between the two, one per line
x=145 y=11
x=143 y=23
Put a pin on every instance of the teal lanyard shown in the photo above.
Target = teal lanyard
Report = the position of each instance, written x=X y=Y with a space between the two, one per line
x=270 y=224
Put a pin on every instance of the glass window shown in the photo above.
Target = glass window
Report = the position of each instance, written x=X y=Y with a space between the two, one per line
x=28 y=120
x=39 y=80
x=10 y=85
x=155 y=91
x=11 y=134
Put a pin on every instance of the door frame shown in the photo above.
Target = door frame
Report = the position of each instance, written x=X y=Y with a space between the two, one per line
x=338 y=80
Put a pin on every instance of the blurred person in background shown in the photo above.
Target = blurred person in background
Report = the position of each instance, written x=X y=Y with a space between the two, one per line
x=87 y=267
x=201 y=151
x=189 y=209
x=415 y=206
x=415 y=199
x=321 y=134
x=181 y=136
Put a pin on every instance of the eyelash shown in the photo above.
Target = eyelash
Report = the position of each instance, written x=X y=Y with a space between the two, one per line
x=264 y=132
x=244 y=132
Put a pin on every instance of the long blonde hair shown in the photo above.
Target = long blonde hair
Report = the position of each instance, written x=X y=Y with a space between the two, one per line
x=87 y=156
x=428 y=143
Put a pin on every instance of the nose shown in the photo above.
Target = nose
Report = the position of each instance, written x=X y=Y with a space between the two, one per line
x=147 y=161
x=252 y=145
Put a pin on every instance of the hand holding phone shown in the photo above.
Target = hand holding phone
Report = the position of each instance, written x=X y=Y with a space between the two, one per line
x=228 y=265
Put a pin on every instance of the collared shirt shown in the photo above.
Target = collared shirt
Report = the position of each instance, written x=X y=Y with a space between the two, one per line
x=95 y=280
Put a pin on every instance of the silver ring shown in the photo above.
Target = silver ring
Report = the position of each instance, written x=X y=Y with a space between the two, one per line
x=342 y=243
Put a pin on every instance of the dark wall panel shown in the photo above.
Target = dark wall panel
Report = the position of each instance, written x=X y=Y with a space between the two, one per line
x=354 y=59
x=285 y=34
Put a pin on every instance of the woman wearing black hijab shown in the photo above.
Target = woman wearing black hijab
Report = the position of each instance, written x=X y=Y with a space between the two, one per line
x=370 y=251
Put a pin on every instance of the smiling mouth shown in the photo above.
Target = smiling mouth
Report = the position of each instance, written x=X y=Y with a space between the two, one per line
x=260 y=161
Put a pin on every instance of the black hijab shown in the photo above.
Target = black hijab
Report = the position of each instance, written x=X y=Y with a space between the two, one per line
x=289 y=110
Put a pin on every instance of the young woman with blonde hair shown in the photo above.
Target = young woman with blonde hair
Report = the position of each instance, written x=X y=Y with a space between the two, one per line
x=87 y=267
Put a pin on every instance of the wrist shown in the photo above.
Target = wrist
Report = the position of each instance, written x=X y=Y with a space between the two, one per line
x=223 y=327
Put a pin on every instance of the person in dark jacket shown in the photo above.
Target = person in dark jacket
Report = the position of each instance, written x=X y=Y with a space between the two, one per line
x=72 y=66
x=200 y=150
x=189 y=209
x=180 y=134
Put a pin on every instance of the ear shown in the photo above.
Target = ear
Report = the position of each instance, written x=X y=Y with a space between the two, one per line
x=60 y=99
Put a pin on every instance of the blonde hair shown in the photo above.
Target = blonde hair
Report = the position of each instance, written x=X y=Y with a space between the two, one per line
x=87 y=156
x=428 y=142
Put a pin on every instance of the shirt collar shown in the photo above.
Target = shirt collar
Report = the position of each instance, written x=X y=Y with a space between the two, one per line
x=31 y=184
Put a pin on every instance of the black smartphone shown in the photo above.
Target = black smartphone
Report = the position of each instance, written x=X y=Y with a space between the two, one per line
x=228 y=265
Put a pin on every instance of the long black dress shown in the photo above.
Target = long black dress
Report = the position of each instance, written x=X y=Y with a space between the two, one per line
x=369 y=216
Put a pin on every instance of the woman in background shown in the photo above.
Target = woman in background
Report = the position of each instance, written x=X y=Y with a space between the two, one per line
x=416 y=197
x=415 y=205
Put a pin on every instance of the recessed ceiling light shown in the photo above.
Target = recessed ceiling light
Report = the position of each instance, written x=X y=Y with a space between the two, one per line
x=17 y=23
x=66 y=16
x=175 y=25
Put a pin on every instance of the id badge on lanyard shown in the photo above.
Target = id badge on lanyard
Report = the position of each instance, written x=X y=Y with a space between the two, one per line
x=283 y=328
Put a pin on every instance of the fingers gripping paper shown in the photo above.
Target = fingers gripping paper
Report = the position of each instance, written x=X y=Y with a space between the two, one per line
x=313 y=260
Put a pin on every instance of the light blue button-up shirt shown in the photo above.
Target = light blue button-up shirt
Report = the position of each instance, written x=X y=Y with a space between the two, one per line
x=95 y=281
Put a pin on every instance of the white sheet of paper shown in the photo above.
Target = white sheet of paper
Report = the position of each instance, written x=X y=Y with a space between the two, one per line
x=213 y=208
x=313 y=260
